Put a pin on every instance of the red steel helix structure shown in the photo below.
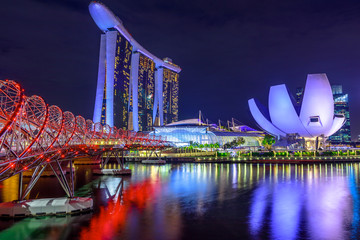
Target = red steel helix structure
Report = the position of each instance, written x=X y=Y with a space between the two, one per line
x=33 y=134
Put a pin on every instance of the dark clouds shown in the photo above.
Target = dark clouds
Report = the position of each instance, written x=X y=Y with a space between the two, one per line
x=229 y=51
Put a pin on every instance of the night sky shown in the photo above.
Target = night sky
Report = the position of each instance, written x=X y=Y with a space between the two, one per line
x=229 y=51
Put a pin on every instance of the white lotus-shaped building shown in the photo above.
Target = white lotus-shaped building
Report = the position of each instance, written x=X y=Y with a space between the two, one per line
x=314 y=117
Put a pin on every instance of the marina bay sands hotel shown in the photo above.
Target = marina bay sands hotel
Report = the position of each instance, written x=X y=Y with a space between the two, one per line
x=135 y=89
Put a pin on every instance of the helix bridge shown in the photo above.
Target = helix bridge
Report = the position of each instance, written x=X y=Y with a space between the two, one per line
x=35 y=136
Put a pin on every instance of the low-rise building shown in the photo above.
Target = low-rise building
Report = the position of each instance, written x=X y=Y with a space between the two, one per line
x=183 y=133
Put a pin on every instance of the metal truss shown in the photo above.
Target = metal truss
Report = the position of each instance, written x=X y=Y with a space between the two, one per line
x=34 y=135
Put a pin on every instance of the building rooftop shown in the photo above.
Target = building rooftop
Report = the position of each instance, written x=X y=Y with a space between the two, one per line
x=188 y=122
x=105 y=19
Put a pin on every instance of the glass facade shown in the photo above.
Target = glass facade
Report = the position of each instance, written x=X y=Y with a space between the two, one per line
x=170 y=96
x=122 y=82
x=146 y=88
x=183 y=135
x=336 y=89
x=341 y=101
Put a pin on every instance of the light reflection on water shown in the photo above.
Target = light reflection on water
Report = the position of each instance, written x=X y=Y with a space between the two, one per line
x=319 y=203
x=212 y=201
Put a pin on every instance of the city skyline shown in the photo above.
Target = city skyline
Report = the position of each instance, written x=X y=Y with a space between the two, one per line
x=255 y=46
x=101 y=138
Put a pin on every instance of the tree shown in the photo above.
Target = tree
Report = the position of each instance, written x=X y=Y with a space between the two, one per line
x=194 y=144
x=234 y=143
x=226 y=145
x=268 y=141
x=240 y=141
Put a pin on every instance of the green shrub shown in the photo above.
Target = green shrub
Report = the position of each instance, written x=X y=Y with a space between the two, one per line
x=343 y=153
x=329 y=153
x=223 y=154
x=263 y=154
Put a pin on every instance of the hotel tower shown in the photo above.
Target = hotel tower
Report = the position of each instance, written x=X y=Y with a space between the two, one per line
x=135 y=89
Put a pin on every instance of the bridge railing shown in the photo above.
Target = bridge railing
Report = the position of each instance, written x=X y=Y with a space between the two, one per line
x=33 y=133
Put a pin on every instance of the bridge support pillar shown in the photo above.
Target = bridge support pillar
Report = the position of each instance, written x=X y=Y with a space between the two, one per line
x=34 y=178
x=157 y=159
x=46 y=206
x=69 y=190
x=72 y=177
x=20 y=185
x=119 y=157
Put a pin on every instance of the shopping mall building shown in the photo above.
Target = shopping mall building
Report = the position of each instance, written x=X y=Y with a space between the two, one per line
x=182 y=133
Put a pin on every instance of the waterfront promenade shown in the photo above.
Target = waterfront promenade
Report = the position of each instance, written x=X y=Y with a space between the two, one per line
x=298 y=157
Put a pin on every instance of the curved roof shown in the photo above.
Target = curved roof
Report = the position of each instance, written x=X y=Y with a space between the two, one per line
x=317 y=101
x=339 y=121
x=282 y=111
x=316 y=115
x=105 y=19
x=236 y=134
x=192 y=121
x=262 y=118
x=103 y=16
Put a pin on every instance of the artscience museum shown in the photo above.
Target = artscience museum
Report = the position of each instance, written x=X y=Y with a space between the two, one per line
x=313 y=117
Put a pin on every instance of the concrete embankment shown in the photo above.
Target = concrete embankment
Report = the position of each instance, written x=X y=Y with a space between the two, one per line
x=284 y=160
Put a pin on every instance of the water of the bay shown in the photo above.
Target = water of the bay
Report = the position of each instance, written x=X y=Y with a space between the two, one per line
x=202 y=201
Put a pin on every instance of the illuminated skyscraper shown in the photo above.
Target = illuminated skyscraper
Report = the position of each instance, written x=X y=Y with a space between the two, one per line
x=146 y=92
x=299 y=93
x=341 y=101
x=135 y=89
x=171 y=96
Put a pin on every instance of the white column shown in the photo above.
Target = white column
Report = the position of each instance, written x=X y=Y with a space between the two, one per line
x=134 y=77
x=159 y=102
x=100 y=81
x=156 y=98
x=111 y=37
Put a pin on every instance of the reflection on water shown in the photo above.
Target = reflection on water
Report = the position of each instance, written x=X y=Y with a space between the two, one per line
x=10 y=189
x=212 y=201
x=113 y=217
x=319 y=203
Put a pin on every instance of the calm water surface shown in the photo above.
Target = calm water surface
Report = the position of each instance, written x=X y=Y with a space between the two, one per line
x=202 y=201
